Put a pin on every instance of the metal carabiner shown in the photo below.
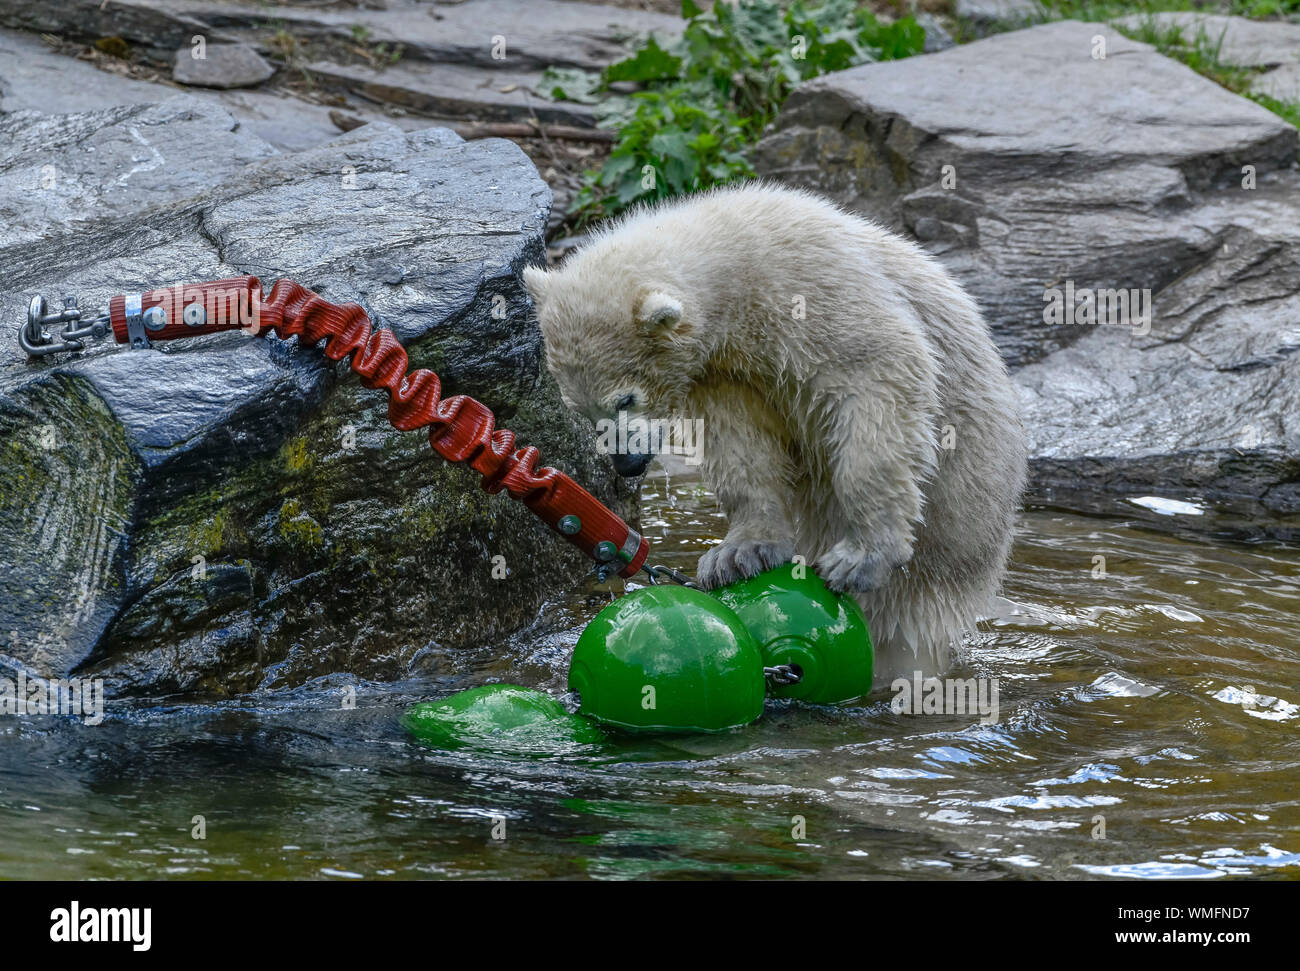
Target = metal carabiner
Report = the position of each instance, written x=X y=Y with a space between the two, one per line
x=36 y=340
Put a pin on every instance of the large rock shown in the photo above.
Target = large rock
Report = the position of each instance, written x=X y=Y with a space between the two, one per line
x=1126 y=172
x=1205 y=407
x=1068 y=177
x=226 y=513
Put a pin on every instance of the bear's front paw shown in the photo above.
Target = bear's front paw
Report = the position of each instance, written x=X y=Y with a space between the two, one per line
x=850 y=569
x=733 y=560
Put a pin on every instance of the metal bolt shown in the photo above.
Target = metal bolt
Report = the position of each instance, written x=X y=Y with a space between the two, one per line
x=605 y=551
x=569 y=525
x=155 y=318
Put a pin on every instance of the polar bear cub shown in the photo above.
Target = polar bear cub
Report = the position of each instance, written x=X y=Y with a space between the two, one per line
x=855 y=410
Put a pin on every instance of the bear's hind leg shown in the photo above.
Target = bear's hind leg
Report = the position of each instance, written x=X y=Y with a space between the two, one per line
x=918 y=619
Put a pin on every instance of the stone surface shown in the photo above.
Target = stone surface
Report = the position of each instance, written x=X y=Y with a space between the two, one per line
x=228 y=512
x=1272 y=46
x=456 y=91
x=1241 y=42
x=1070 y=180
x=1068 y=177
x=447 y=69
x=1206 y=406
x=60 y=172
x=35 y=78
x=1282 y=82
x=984 y=14
x=537 y=33
x=937 y=37
x=160 y=27
x=221 y=66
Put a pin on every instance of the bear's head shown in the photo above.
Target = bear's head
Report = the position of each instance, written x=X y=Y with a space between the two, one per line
x=621 y=348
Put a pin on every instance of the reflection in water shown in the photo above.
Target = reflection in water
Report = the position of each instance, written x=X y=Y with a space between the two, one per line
x=1155 y=706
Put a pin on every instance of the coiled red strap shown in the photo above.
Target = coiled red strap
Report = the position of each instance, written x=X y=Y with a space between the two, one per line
x=461 y=429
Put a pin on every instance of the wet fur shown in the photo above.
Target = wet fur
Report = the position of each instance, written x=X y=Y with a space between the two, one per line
x=822 y=434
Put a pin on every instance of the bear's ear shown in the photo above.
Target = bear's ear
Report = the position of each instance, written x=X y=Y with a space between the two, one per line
x=535 y=282
x=659 y=313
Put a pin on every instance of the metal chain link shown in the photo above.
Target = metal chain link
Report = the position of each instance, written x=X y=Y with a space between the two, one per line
x=783 y=674
x=657 y=573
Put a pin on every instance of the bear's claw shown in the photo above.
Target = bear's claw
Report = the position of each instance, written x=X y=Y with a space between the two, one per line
x=848 y=569
x=730 y=561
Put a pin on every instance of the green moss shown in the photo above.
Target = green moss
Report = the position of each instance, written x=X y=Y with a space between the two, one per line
x=212 y=522
x=297 y=457
x=898 y=168
x=18 y=471
x=297 y=528
x=207 y=536
x=114 y=47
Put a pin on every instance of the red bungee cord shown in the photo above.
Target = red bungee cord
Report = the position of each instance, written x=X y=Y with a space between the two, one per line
x=461 y=429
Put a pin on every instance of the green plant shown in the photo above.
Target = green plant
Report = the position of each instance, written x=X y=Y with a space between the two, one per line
x=376 y=54
x=1288 y=111
x=1264 y=8
x=701 y=103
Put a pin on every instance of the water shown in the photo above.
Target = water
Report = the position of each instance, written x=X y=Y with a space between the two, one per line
x=1158 y=702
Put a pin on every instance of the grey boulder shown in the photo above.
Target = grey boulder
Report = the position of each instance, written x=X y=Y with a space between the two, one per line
x=1025 y=163
x=220 y=66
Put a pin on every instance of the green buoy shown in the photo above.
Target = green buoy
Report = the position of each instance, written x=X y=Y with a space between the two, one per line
x=504 y=719
x=668 y=659
x=673 y=659
x=796 y=620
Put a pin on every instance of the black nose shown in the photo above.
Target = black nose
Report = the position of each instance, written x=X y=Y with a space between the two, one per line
x=631 y=465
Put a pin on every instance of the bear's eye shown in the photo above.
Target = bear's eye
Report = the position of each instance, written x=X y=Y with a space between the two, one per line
x=625 y=402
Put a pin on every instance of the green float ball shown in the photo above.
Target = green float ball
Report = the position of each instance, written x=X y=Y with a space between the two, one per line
x=668 y=659
x=798 y=621
x=502 y=718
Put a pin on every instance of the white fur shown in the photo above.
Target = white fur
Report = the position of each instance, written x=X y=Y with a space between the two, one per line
x=822 y=434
